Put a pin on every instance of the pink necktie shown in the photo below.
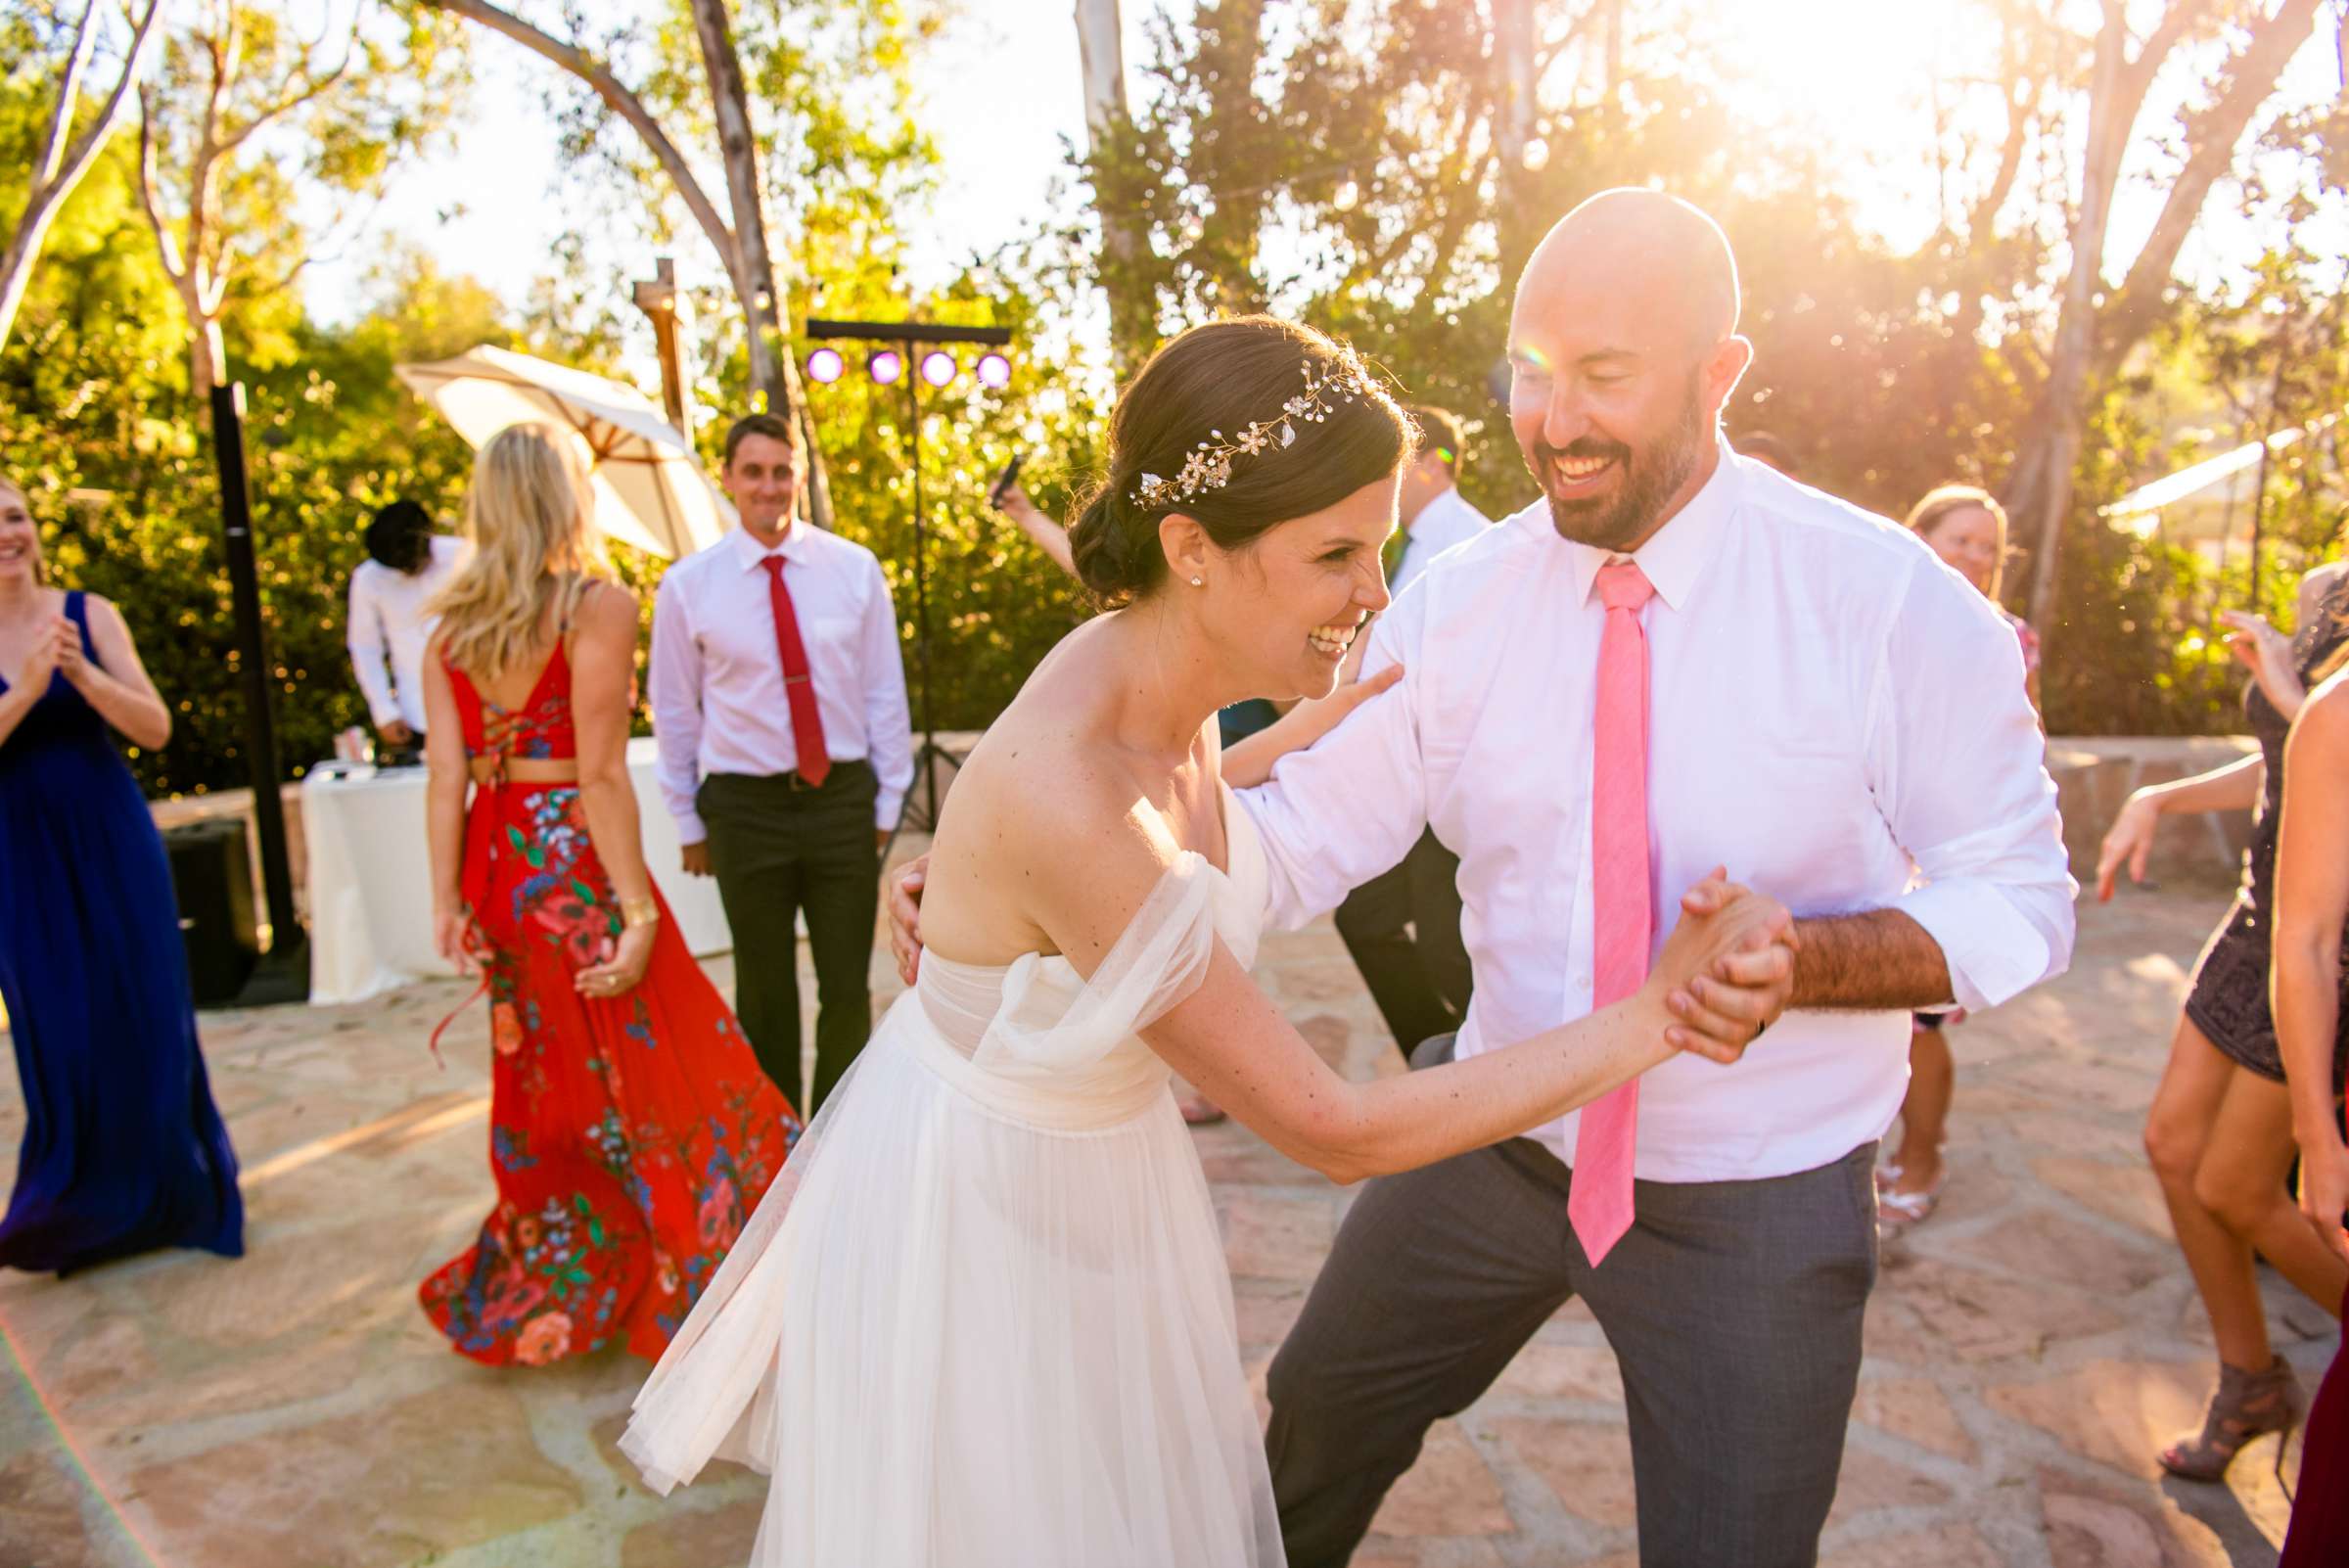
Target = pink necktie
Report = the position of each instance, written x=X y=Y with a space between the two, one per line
x=1599 y=1204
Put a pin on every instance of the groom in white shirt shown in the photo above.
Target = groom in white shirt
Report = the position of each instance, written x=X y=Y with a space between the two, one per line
x=1812 y=699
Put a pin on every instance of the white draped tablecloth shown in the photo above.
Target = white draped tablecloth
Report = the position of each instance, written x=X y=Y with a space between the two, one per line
x=371 y=880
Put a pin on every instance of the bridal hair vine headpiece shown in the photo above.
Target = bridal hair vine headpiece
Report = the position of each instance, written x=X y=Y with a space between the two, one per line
x=1208 y=465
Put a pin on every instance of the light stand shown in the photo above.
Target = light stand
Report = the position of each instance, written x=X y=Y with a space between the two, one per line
x=909 y=338
x=283 y=972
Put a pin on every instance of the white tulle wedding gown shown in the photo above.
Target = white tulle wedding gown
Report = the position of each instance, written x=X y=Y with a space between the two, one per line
x=982 y=1320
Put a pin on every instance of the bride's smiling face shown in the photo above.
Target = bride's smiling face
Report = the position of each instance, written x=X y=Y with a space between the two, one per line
x=1283 y=609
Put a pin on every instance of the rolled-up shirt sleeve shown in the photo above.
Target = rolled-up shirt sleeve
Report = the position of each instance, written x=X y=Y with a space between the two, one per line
x=676 y=683
x=1958 y=768
x=1339 y=812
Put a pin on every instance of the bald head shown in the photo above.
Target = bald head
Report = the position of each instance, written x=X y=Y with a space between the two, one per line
x=1662 y=248
x=1623 y=347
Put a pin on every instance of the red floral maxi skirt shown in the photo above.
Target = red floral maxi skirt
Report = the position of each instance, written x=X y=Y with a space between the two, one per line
x=630 y=1136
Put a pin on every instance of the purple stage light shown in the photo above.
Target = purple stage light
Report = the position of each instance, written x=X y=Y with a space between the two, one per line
x=939 y=367
x=826 y=365
x=994 y=371
x=885 y=366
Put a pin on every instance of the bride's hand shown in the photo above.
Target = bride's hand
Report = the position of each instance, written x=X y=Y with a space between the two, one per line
x=906 y=917
x=1250 y=761
x=1726 y=970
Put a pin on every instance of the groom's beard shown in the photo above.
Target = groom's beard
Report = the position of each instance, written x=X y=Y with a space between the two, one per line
x=1650 y=479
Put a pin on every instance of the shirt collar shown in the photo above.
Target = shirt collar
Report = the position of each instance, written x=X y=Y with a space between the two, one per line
x=1675 y=558
x=750 y=552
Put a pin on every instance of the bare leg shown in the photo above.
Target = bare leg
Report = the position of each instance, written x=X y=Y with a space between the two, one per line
x=2178 y=1132
x=1925 y=1113
x=2241 y=1179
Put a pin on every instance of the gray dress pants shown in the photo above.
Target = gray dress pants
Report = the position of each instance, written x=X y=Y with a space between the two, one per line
x=1733 y=1308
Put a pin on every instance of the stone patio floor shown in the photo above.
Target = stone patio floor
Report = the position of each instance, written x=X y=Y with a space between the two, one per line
x=2027 y=1350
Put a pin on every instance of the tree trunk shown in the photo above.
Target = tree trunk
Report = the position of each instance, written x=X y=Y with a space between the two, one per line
x=63 y=166
x=741 y=249
x=774 y=374
x=2093 y=336
x=1108 y=117
x=1521 y=220
x=2063 y=402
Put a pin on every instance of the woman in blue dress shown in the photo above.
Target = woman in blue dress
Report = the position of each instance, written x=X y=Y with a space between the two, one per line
x=123 y=1151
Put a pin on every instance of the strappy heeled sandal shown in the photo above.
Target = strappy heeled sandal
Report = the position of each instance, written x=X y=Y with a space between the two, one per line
x=1900 y=1211
x=2247 y=1406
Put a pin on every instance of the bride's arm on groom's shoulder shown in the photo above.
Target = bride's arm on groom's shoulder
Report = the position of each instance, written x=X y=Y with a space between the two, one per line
x=1249 y=762
x=1347 y=807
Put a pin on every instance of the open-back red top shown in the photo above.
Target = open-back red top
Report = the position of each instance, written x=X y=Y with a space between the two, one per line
x=540 y=730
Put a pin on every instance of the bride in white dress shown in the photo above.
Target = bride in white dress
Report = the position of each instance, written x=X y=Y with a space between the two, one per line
x=983 y=1319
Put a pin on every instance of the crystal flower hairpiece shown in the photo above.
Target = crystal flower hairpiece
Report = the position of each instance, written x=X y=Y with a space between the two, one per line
x=1208 y=465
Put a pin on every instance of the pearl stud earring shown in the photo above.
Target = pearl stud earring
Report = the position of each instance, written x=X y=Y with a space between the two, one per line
x=1198 y=582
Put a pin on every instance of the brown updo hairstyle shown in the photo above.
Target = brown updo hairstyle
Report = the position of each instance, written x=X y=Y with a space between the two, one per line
x=1226 y=376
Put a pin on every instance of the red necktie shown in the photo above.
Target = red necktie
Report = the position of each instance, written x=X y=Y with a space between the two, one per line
x=1599 y=1204
x=799 y=685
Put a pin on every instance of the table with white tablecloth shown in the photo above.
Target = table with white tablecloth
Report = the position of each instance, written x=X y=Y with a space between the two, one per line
x=371 y=880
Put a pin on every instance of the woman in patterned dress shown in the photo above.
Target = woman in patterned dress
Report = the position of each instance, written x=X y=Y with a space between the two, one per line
x=2220 y=1132
x=631 y=1128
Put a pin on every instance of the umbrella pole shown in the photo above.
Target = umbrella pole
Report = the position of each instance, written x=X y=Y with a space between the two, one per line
x=284 y=975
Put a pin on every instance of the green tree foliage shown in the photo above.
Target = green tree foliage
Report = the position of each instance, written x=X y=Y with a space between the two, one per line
x=1369 y=165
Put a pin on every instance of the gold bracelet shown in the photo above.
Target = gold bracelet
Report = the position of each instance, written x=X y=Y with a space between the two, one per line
x=634 y=912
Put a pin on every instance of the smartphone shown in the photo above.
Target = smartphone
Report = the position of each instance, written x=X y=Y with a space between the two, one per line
x=1011 y=470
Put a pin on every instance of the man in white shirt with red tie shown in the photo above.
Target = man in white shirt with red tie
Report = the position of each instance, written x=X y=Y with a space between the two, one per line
x=1675 y=658
x=786 y=750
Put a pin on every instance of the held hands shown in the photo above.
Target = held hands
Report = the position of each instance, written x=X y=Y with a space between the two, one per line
x=2324 y=1191
x=628 y=956
x=1726 y=970
x=2129 y=842
x=57 y=643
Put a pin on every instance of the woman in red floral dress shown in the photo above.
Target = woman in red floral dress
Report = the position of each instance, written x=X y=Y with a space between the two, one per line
x=631 y=1128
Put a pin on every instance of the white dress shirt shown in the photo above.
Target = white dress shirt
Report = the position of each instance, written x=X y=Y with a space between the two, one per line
x=387 y=615
x=1835 y=715
x=1443 y=522
x=719 y=703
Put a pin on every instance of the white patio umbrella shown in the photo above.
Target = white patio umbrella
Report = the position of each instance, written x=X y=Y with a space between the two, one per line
x=649 y=491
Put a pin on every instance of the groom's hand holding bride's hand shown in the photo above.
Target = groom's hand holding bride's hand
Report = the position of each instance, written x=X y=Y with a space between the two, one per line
x=1727 y=968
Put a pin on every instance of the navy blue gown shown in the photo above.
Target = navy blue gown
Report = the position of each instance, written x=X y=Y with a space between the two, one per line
x=123 y=1150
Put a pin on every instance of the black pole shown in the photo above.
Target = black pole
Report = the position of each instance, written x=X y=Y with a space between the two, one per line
x=921 y=585
x=910 y=337
x=260 y=732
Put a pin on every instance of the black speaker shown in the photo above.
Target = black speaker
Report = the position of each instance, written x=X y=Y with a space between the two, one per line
x=211 y=872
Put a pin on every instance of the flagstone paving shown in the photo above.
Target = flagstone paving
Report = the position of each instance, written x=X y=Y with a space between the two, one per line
x=2028 y=1349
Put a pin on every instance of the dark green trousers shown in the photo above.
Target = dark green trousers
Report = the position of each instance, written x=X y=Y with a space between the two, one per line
x=778 y=847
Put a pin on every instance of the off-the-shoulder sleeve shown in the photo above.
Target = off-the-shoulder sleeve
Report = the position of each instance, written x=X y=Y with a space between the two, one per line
x=1158 y=961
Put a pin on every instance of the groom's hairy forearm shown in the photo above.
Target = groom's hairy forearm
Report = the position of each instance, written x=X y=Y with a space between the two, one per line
x=1874 y=959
